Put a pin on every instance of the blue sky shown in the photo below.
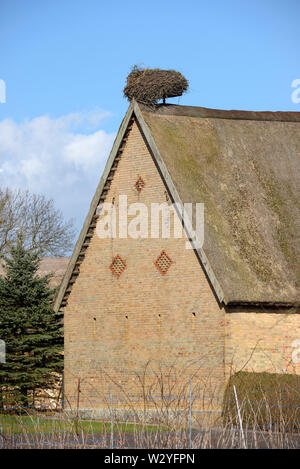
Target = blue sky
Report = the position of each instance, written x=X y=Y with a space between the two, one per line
x=65 y=64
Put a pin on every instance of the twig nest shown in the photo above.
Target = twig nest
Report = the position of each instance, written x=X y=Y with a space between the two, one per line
x=148 y=86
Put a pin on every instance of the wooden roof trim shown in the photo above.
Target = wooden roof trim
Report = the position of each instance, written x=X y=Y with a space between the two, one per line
x=71 y=269
x=175 y=196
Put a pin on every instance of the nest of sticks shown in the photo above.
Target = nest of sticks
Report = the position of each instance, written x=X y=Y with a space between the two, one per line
x=148 y=86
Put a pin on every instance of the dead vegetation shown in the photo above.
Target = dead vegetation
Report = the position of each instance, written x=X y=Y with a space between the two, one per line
x=169 y=410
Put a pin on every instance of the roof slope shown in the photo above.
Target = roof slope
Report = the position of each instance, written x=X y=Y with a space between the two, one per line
x=244 y=166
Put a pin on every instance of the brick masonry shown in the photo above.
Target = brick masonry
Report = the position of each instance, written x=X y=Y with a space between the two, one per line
x=260 y=339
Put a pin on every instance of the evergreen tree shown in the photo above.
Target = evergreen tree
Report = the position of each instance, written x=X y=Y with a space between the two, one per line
x=29 y=326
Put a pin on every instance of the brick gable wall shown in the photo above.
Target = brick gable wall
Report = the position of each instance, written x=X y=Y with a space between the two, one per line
x=115 y=326
x=169 y=325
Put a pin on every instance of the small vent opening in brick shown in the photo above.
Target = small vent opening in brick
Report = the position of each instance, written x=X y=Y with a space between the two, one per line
x=117 y=266
x=163 y=262
x=139 y=185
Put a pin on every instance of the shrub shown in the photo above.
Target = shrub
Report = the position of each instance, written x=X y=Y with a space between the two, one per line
x=267 y=401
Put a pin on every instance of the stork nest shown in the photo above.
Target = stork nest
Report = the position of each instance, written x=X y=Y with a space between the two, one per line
x=148 y=86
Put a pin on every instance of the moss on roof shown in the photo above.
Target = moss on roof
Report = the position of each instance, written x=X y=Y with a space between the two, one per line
x=244 y=166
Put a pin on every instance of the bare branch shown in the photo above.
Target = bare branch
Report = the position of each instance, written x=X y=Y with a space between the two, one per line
x=43 y=226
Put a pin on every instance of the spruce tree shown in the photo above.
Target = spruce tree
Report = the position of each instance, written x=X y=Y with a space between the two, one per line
x=30 y=328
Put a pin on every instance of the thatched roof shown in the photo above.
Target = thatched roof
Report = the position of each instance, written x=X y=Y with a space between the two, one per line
x=50 y=265
x=245 y=167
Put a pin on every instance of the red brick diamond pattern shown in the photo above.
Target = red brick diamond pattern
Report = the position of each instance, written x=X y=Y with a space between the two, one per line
x=163 y=262
x=139 y=185
x=117 y=266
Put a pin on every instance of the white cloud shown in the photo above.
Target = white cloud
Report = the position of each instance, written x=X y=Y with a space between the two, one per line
x=84 y=150
x=62 y=158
